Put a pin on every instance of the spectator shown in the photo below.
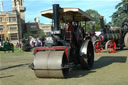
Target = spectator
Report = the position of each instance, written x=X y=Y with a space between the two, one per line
x=6 y=45
x=19 y=44
x=39 y=43
x=42 y=40
x=93 y=38
x=0 y=44
x=33 y=42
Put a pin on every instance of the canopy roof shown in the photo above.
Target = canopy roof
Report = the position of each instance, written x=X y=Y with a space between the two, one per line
x=69 y=14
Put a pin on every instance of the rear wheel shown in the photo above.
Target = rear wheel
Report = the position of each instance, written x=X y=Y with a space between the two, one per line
x=97 y=46
x=126 y=40
x=110 y=46
x=87 y=59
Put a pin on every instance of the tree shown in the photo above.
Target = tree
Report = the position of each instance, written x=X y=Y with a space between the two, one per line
x=95 y=23
x=120 y=16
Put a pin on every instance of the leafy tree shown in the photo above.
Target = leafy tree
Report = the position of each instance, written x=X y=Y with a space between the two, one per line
x=95 y=23
x=109 y=24
x=120 y=15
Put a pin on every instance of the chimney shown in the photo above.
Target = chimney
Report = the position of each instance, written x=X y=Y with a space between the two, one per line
x=2 y=9
x=56 y=17
x=102 y=22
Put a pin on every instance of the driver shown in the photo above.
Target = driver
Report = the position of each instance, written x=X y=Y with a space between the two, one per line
x=69 y=32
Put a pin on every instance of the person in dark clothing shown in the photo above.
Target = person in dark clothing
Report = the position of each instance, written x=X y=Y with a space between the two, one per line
x=42 y=40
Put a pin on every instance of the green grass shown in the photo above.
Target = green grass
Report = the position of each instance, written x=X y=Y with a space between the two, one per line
x=109 y=69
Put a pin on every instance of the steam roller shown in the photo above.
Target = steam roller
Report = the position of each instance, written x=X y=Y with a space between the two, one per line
x=64 y=49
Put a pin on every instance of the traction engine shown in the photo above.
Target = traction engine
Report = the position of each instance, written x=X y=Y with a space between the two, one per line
x=111 y=38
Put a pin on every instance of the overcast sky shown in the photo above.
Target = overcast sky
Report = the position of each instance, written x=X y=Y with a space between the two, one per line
x=34 y=7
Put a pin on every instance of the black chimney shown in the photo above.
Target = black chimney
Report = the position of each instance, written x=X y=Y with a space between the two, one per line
x=56 y=17
x=104 y=30
x=102 y=22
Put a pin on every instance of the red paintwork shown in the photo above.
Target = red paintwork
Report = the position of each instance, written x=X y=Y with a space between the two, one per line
x=112 y=45
x=53 y=48
x=101 y=38
x=98 y=49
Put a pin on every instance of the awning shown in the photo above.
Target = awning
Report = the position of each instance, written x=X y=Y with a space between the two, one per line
x=69 y=14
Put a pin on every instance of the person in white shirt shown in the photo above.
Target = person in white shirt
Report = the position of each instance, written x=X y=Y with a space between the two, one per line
x=0 y=44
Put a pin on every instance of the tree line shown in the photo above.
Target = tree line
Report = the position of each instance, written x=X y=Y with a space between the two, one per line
x=118 y=17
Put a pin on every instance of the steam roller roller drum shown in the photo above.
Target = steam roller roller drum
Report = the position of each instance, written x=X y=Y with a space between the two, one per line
x=50 y=64
x=126 y=40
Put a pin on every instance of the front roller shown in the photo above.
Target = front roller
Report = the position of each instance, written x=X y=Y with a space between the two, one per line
x=50 y=64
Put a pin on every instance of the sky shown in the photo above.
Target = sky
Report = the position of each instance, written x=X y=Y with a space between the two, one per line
x=34 y=7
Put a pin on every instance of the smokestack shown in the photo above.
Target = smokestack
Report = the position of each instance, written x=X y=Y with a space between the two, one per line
x=102 y=22
x=56 y=17
x=2 y=9
x=93 y=28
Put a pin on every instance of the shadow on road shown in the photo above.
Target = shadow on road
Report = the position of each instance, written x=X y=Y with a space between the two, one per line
x=107 y=60
x=79 y=73
x=14 y=66
x=1 y=77
x=119 y=50
x=100 y=63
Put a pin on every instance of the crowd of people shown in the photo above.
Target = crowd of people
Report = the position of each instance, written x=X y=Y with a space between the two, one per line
x=33 y=42
x=36 y=42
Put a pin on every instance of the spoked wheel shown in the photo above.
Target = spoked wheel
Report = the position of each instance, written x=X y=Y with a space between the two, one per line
x=97 y=47
x=87 y=59
x=110 y=46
